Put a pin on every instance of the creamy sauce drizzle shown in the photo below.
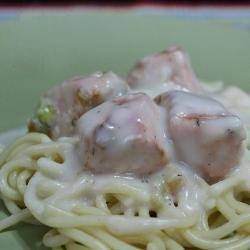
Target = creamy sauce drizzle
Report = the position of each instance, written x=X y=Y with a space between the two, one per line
x=75 y=186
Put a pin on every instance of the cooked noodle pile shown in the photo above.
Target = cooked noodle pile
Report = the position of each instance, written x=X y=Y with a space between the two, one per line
x=122 y=216
x=157 y=161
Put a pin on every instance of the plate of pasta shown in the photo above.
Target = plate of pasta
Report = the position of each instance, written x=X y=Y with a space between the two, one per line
x=152 y=154
x=155 y=160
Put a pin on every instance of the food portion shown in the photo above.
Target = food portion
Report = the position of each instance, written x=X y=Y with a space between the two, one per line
x=63 y=105
x=160 y=162
x=205 y=135
x=170 y=68
x=124 y=135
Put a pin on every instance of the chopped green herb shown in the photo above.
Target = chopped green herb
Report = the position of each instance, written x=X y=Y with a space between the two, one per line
x=46 y=114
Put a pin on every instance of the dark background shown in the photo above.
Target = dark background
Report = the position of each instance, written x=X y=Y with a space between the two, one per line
x=121 y=3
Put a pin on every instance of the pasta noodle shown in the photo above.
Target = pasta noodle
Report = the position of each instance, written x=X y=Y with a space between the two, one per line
x=123 y=170
x=112 y=222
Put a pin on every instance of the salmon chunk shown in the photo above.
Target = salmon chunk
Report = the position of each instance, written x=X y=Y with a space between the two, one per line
x=205 y=135
x=123 y=136
x=62 y=106
x=170 y=67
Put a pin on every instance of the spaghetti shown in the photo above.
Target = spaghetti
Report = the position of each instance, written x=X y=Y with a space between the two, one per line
x=157 y=170
x=120 y=215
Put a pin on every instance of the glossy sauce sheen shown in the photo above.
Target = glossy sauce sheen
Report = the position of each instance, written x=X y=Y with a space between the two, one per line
x=65 y=191
x=206 y=136
x=167 y=135
x=131 y=134
x=124 y=135
x=124 y=131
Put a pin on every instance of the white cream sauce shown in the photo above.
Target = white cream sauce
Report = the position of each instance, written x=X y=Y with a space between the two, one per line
x=71 y=185
x=158 y=89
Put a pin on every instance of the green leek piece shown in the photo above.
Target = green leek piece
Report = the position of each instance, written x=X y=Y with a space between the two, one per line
x=46 y=113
